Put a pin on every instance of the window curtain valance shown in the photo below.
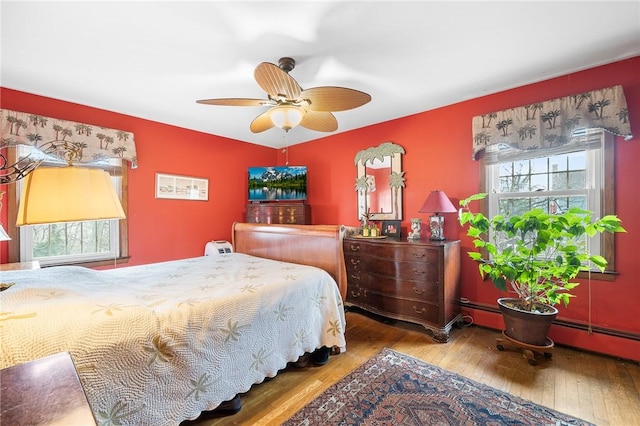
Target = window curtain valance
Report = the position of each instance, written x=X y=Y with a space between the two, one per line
x=553 y=123
x=66 y=140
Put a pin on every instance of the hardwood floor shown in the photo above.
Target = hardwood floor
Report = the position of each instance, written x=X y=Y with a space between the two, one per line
x=595 y=388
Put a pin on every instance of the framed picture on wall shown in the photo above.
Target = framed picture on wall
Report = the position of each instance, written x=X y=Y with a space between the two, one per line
x=181 y=187
x=391 y=228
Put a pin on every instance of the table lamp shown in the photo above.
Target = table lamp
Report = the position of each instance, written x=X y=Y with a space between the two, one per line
x=437 y=202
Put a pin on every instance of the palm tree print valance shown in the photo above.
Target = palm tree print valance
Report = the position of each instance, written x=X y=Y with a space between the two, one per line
x=552 y=123
x=66 y=140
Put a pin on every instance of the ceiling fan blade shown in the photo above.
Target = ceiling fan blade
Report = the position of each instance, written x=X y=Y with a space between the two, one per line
x=276 y=82
x=261 y=123
x=234 y=102
x=321 y=121
x=331 y=98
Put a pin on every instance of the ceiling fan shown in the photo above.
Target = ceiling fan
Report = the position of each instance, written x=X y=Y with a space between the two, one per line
x=290 y=104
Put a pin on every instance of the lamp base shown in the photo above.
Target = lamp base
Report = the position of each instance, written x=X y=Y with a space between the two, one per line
x=436 y=225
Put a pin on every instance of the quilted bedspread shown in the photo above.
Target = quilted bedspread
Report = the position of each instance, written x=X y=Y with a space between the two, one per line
x=157 y=344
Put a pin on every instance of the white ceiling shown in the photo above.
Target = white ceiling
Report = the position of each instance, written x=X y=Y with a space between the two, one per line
x=155 y=59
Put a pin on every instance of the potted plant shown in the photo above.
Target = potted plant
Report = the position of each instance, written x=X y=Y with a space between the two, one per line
x=537 y=255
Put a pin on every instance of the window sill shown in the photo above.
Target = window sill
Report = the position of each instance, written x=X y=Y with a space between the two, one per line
x=598 y=276
x=92 y=264
x=594 y=275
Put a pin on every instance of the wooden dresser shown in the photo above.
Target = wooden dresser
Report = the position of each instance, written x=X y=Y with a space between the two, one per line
x=289 y=213
x=405 y=280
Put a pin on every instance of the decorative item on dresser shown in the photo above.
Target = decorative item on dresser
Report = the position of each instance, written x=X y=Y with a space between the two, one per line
x=279 y=213
x=415 y=281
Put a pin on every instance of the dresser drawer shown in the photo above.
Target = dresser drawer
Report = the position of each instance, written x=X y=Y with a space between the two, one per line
x=417 y=290
x=400 y=270
x=421 y=312
x=415 y=271
x=409 y=253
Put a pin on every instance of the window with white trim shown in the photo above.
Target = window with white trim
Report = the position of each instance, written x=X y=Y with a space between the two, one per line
x=73 y=242
x=563 y=177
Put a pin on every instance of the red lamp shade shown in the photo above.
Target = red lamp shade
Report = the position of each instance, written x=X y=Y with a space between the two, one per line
x=437 y=202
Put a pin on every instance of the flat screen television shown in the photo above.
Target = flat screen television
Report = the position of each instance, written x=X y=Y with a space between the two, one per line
x=278 y=183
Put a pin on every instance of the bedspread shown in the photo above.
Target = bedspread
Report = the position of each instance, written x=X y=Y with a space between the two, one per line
x=157 y=344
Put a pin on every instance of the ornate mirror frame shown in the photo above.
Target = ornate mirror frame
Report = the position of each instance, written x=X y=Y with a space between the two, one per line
x=379 y=182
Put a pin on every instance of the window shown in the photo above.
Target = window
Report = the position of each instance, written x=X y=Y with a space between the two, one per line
x=568 y=176
x=75 y=242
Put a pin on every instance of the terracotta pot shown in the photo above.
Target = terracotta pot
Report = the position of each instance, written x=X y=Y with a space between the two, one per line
x=524 y=326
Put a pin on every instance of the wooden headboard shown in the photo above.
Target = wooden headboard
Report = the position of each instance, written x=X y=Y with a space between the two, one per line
x=315 y=245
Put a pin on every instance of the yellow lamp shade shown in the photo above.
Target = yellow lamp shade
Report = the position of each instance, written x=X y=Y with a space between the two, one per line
x=67 y=194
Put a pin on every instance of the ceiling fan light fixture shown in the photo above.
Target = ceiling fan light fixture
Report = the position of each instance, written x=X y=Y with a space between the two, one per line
x=286 y=117
x=291 y=105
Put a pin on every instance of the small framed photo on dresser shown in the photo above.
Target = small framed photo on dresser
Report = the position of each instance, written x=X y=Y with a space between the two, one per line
x=391 y=228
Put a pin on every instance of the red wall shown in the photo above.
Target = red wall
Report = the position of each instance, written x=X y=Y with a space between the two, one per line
x=438 y=156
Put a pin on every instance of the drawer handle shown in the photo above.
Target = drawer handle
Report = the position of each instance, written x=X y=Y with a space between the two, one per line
x=415 y=271
x=355 y=276
x=418 y=291
x=357 y=294
x=418 y=254
x=419 y=311
x=355 y=247
x=354 y=262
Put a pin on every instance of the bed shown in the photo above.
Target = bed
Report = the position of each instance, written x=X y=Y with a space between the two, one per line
x=158 y=344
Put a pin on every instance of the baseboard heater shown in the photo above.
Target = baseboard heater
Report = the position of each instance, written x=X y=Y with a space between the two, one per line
x=561 y=322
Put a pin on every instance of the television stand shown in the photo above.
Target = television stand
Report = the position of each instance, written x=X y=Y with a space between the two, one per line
x=280 y=213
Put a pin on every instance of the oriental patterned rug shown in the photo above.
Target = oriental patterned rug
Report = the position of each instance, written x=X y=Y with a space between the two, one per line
x=395 y=389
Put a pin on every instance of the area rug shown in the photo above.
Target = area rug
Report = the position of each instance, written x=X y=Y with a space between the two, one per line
x=395 y=389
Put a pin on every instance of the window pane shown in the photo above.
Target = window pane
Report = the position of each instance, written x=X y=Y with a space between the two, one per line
x=74 y=238
x=578 y=201
x=58 y=243
x=506 y=184
x=41 y=240
x=539 y=165
x=558 y=163
x=559 y=181
x=521 y=167
x=515 y=183
x=513 y=206
x=103 y=236
x=577 y=179
x=539 y=183
x=562 y=204
x=73 y=235
x=506 y=169
x=577 y=160
x=89 y=239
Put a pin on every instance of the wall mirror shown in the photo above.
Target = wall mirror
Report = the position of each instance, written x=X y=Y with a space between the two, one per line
x=379 y=182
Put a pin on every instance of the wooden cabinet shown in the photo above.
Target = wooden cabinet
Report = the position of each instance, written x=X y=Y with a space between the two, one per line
x=46 y=391
x=289 y=213
x=415 y=281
